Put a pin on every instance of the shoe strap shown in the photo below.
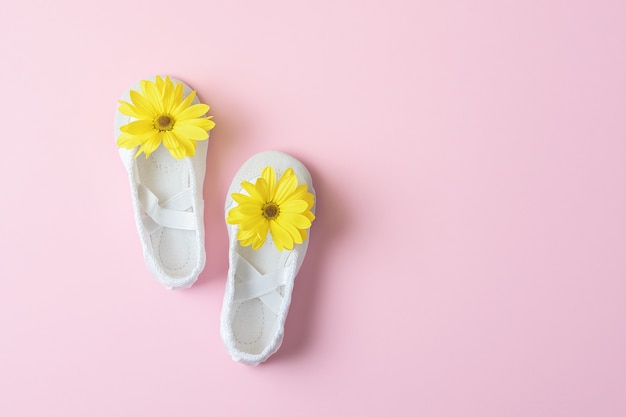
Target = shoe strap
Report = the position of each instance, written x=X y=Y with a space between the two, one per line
x=258 y=285
x=169 y=213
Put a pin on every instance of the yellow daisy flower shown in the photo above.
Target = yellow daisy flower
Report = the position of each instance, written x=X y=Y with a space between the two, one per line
x=162 y=116
x=283 y=208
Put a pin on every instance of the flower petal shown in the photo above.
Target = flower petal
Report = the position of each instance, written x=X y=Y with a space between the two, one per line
x=291 y=229
x=269 y=175
x=242 y=198
x=286 y=185
x=293 y=206
x=193 y=112
x=309 y=215
x=251 y=222
x=132 y=111
x=127 y=141
x=138 y=127
x=250 y=209
x=203 y=123
x=300 y=193
x=261 y=235
x=188 y=145
x=150 y=145
x=190 y=132
x=253 y=192
x=170 y=142
x=298 y=220
x=177 y=98
x=254 y=232
x=184 y=104
x=143 y=103
x=263 y=189
x=234 y=216
x=151 y=93
x=282 y=238
x=167 y=92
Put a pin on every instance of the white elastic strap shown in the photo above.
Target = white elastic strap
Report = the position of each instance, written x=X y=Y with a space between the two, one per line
x=169 y=213
x=272 y=300
x=262 y=286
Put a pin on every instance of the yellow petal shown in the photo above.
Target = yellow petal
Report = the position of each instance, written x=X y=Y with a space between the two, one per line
x=250 y=209
x=282 y=238
x=167 y=91
x=150 y=146
x=293 y=206
x=298 y=220
x=138 y=127
x=261 y=234
x=247 y=233
x=151 y=93
x=252 y=229
x=309 y=215
x=286 y=185
x=178 y=153
x=186 y=145
x=143 y=103
x=300 y=193
x=257 y=243
x=184 y=104
x=177 y=97
x=203 y=123
x=250 y=241
x=174 y=146
x=253 y=192
x=244 y=235
x=127 y=141
x=190 y=132
x=291 y=229
x=130 y=110
x=234 y=216
x=242 y=198
x=251 y=222
x=257 y=232
x=270 y=178
x=193 y=112
x=189 y=145
x=153 y=144
x=262 y=189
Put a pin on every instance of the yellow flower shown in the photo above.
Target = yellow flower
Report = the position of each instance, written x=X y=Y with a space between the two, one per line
x=162 y=116
x=283 y=209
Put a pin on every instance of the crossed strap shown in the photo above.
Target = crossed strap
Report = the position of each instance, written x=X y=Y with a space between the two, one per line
x=258 y=285
x=169 y=213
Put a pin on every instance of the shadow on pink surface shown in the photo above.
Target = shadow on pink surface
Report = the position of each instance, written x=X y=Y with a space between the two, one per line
x=224 y=140
x=331 y=221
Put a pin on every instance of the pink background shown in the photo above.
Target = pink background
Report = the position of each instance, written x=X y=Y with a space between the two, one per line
x=469 y=253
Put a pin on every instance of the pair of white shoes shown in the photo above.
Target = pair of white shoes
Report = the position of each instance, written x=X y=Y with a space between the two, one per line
x=269 y=209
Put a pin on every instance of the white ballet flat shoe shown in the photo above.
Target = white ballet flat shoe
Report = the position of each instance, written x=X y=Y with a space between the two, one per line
x=263 y=268
x=166 y=192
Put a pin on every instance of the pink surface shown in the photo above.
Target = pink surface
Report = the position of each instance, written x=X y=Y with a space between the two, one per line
x=469 y=253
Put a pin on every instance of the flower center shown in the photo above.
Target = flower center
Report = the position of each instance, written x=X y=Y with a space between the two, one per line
x=270 y=210
x=164 y=122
